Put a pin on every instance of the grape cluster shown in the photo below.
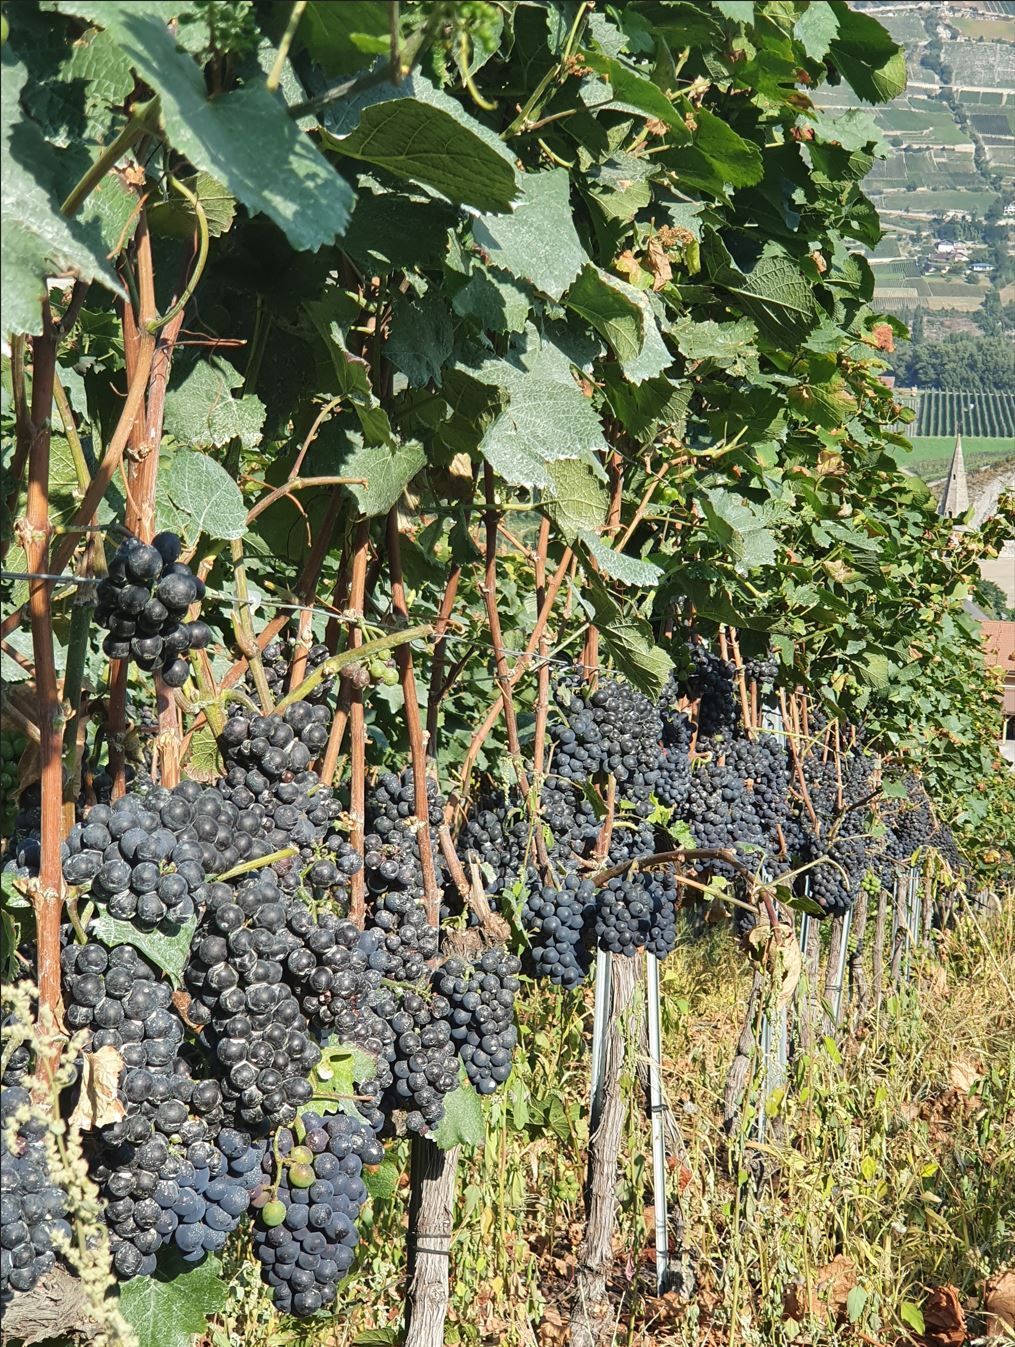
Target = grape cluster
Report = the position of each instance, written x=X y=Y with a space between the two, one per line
x=193 y=1193
x=305 y=1233
x=276 y=660
x=423 y=1061
x=710 y=684
x=637 y=910
x=142 y=863
x=481 y=994
x=558 y=927
x=33 y=1207
x=143 y=602
x=612 y=730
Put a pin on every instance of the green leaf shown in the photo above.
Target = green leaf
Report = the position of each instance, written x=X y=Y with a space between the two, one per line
x=387 y=470
x=740 y=11
x=493 y=301
x=629 y=641
x=816 y=27
x=877 y=670
x=913 y=1316
x=342 y=1068
x=623 y=315
x=244 y=138
x=204 y=762
x=352 y=375
x=176 y=217
x=203 y=412
x=168 y=952
x=644 y=408
x=205 y=496
x=170 y=1307
x=867 y=57
x=339 y=36
x=855 y=1302
x=776 y=295
x=741 y=527
x=547 y=419
x=421 y=339
x=734 y=159
x=463 y=1123
x=381 y=1181
x=629 y=92
x=418 y=132
x=727 y=345
x=627 y=570
x=538 y=240
x=577 y=499
x=37 y=241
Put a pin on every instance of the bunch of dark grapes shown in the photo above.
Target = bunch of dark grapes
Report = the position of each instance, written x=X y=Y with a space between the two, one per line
x=143 y=602
x=33 y=1207
x=498 y=832
x=268 y=778
x=762 y=672
x=710 y=683
x=237 y=977
x=637 y=910
x=558 y=925
x=612 y=730
x=133 y=856
x=423 y=1060
x=720 y=813
x=193 y=1193
x=276 y=660
x=305 y=1233
x=481 y=994
x=674 y=757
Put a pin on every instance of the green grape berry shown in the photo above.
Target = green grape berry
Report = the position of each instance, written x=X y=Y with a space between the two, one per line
x=273 y=1213
x=301 y=1155
x=301 y=1176
x=389 y=676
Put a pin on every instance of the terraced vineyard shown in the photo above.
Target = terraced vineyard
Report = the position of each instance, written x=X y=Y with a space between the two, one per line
x=985 y=415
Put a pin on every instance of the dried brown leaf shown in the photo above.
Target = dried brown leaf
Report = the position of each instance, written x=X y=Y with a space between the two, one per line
x=99 y=1103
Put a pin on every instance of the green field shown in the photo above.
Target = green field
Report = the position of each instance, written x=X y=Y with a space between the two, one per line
x=931 y=455
x=989 y=29
x=985 y=98
x=930 y=201
x=986 y=65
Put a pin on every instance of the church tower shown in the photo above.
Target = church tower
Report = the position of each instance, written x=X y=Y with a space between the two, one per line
x=955 y=497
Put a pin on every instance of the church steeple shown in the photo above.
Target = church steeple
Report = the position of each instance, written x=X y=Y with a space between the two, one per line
x=955 y=497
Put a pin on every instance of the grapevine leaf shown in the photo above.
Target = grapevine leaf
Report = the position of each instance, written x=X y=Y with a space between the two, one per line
x=629 y=92
x=739 y=11
x=421 y=342
x=740 y=527
x=38 y=241
x=644 y=407
x=204 y=762
x=866 y=55
x=203 y=412
x=386 y=469
x=418 y=132
x=244 y=138
x=339 y=36
x=727 y=345
x=381 y=1181
x=168 y=952
x=855 y=1302
x=629 y=641
x=493 y=300
x=628 y=570
x=816 y=27
x=176 y=218
x=776 y=295
x=463 y=1123
x=577 y=499
x=622 y=315
x=352 y=375
x=99 y=1102
x=538 y=241
x=547 y=419
x=170 y=1307
x=205 y=496
x=343 y=1067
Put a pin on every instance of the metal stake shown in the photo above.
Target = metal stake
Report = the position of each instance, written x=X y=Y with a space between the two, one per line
x=840 y=972
x=600 y=1021
x=657 y=1108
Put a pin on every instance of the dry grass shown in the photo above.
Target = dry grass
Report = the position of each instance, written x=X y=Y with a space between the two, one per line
x=888 y=1171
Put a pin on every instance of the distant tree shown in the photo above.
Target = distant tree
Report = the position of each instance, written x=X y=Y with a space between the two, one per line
x=990 y=318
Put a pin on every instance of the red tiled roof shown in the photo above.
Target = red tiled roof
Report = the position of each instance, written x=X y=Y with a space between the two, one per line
x=999 y=643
